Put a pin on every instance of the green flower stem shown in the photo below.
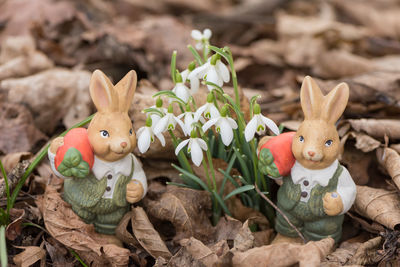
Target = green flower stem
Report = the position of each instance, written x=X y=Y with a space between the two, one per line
x=3 y=171
x=209 y=158
x=234 y=76
x=207 y=173
x=181 y=156
x=196 y=55
x=3 y=247
x=38 y=159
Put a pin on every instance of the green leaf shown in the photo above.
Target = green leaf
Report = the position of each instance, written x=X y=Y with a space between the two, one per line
x=3 y=247
x=192 y=177
x=239 y=191
x=180 y=185
x=196 y=55
x=173 y=66
x=266 y=164
x=221 y=202
x=73 y=165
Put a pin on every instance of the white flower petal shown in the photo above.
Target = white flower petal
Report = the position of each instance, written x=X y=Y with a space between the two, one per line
x=194 y=84
x=161 y=138
x=226 y=132
x=222 y=71
x=144 y=140
x=161 y=125
x=180 y=146
x=214 y=112
x=202 y=144
x=180 y=123
x=207 y=34
x=250 y=129
x=182 y=92
x=209 y=123
x=199 y=46
x=270 y=124
x=196 y=34
x=184 y=75
x=232 y=123
x=212 y=76
x=196 y=152
x=139 y=132
x=200 y=111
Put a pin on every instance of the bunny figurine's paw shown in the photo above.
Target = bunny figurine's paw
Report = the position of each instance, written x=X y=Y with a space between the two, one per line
x=333 y=204
x=55 y=144
x=134 y=191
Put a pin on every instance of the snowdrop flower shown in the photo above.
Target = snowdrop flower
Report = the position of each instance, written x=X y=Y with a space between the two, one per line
x=145 y=136
x=201 y=38
x=189 y=119
x=181 y=89
x=168 y=122
x=155 y=117
x=195 y=147
x=208 y=109
x=224 y=125
x=212 y=71
x=258 y=124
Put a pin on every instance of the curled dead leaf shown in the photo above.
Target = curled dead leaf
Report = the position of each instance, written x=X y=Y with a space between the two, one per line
x=391 y=161
x=14 y=229
x=17 y=130
x=11 y=160
x=377 y=128
x=186 y=209
x=67 y=228
x=378 y=205
x=366 y=253
x=52 y=95
x=285 y=254
x=29 y=256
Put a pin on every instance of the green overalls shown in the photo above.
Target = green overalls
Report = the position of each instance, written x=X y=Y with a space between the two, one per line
x=85 y=197
x=309 y=217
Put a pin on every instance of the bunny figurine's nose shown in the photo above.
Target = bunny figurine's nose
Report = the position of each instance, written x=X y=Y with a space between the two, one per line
x=311 y=153
x=123 y=144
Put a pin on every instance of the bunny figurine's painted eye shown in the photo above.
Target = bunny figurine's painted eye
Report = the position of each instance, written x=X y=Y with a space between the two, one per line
x=301 y=139
x=131 y=131
x=328 y=143
x=104 y=134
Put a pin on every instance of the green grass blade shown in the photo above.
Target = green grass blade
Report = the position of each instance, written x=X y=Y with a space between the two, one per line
x=221 y=202
x=243 y=165
x=3 y=171
x=192 y=177
x=3 y=247
x=239 y=191
x=226 y=173
x=195 y=55
x=78 y=258
x=180 y=185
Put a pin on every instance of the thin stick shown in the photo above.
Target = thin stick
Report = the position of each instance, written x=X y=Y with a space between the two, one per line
x=281 y=212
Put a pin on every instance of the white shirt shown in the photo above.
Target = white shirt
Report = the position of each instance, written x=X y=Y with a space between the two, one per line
x=112 y=171
x=308 y=178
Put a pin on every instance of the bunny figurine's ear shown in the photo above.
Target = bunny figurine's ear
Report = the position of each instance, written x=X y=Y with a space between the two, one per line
x=311 y=98
x=102 y=92
x=126 y=88
x=335 y=103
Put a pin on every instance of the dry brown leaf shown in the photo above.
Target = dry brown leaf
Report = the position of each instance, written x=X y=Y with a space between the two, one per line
x=366 y=253
x=147 y=236
x=285 y=254
x=30 y=12
x=365 y=142
x=227 y=228
x=57 y=253
x=15 y=46
x=199 y=251
x=377 y=128
x=52 y=95
x=350 y=64
x=391 y=161
x=29 y=256
x=67 y=228
x=244 y=239
x=378 y=205
x=342 y=254
x=186 y=209
x=17 y=130
x=11 y=160
x=14 y=229
x=263 y=238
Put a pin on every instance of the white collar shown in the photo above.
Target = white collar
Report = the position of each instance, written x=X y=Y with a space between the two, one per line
x=322 y=176
x=122 y=166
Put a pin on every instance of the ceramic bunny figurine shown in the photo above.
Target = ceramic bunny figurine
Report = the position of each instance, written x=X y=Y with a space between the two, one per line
x=317 y=190
x=101 y=194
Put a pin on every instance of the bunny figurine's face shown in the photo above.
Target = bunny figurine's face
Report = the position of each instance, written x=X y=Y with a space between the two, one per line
x=110 y=131
x=316 y=144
